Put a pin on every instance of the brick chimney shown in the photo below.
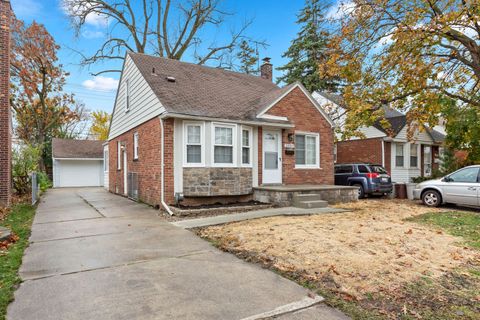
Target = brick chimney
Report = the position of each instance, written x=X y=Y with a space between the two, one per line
x=5 y=113
x=266 y=69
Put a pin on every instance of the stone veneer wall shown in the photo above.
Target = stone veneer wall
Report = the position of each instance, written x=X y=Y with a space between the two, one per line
x=285 y=198
x=201 y=182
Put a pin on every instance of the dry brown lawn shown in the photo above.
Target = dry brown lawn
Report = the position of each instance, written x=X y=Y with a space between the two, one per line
x=370 y=249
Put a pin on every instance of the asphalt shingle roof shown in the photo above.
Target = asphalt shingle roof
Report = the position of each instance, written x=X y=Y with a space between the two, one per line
x=76 y=149
x=205 y=91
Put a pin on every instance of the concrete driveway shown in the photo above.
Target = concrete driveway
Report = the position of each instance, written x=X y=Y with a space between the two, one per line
x=94 y=255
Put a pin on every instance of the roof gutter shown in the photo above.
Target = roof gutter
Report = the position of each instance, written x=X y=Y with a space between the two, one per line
x=246 y=122
x=162 y=191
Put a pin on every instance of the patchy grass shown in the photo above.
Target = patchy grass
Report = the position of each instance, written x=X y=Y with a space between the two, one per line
x=19 y=220
x=376 y=262
x=462 y=224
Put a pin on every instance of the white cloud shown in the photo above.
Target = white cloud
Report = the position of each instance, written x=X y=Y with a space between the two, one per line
x=100 y=83
x=388 y=38
x=97 y=20
x=26 y=8
x=71 y=7
x=340 y=9
x=90 y=34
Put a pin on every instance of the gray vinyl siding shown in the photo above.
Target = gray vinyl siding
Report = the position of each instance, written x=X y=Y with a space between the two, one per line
x=144 y=104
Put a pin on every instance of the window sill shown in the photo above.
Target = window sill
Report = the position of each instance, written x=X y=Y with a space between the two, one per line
x=307 y=168
x=135 y=159
x=193 y=165
x=224 y=165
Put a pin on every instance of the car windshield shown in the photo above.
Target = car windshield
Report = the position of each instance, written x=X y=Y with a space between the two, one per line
x=378 y=169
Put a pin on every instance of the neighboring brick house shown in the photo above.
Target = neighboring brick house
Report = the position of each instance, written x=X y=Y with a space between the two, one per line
x=5 y=113
x=403 y=158
x=212 y=135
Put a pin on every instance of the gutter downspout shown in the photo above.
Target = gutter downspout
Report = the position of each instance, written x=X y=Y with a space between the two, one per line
x=162 y=191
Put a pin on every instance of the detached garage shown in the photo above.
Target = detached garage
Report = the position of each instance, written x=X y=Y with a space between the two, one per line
x=77 y=163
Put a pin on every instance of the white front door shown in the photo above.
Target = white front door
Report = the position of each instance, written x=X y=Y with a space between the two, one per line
x=125 y=174
x=272 y=156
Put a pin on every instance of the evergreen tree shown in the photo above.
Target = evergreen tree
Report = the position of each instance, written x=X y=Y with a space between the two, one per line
x=248 y=58
x=307 y=51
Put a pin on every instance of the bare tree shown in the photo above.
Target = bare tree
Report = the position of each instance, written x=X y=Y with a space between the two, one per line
x=167 y=28
x=76 y=128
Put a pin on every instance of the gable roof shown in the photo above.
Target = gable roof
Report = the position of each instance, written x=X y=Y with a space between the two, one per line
x=398 y=121
x=203 y=91
x=284 y=92
x=335 y=98
x=77 y=149
x=200 y=90
x=436 y=135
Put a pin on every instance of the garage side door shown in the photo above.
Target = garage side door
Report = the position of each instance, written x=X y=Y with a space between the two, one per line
x=80 y=173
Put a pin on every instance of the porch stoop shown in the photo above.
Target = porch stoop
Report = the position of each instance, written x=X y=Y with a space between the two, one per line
x=308 y=201
x=304 y=196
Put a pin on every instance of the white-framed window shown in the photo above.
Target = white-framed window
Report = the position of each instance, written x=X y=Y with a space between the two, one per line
x=414 y=155
x=194 y=144
x=224 y=145
x=247 y=139
x=119 y=155
x=105 y=160
x=307 y=150
x=135 y=146
x=399 y=155
x=127 y=95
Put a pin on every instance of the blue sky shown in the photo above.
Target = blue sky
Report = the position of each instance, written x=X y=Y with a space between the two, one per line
x=274 y=21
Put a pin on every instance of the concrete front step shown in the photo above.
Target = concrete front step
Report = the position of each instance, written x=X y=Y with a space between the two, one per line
x=312 y=204
x=298 y=197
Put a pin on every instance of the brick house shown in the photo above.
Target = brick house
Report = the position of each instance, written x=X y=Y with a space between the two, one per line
x=5 y=113
x=403 y=158
x=205 y=135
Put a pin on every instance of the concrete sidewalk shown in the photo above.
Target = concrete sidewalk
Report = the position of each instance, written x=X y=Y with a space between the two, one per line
x=94 y=255
x=235 y=217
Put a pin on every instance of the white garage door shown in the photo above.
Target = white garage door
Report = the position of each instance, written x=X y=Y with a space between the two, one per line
x=79 y=173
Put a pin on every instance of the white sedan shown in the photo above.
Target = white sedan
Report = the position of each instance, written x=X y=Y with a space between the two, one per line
x=461 y=187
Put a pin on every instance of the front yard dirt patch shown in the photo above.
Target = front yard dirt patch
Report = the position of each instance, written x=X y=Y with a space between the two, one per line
x=372 y=257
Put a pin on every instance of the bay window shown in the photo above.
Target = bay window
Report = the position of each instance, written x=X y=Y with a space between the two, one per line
x=194 y=144
x=246 y=146
x=307 y=150
x=223 y=145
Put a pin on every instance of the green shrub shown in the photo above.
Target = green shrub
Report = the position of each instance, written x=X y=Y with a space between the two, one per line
x=24 y=161
x=43 y=181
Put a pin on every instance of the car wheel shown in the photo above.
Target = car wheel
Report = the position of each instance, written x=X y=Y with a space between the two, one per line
x=431 y=198
x=361 y=191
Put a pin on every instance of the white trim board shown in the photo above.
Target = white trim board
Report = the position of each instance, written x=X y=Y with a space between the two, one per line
x=166 y=115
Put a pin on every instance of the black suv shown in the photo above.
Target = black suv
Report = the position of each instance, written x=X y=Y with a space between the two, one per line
x=369 y=178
